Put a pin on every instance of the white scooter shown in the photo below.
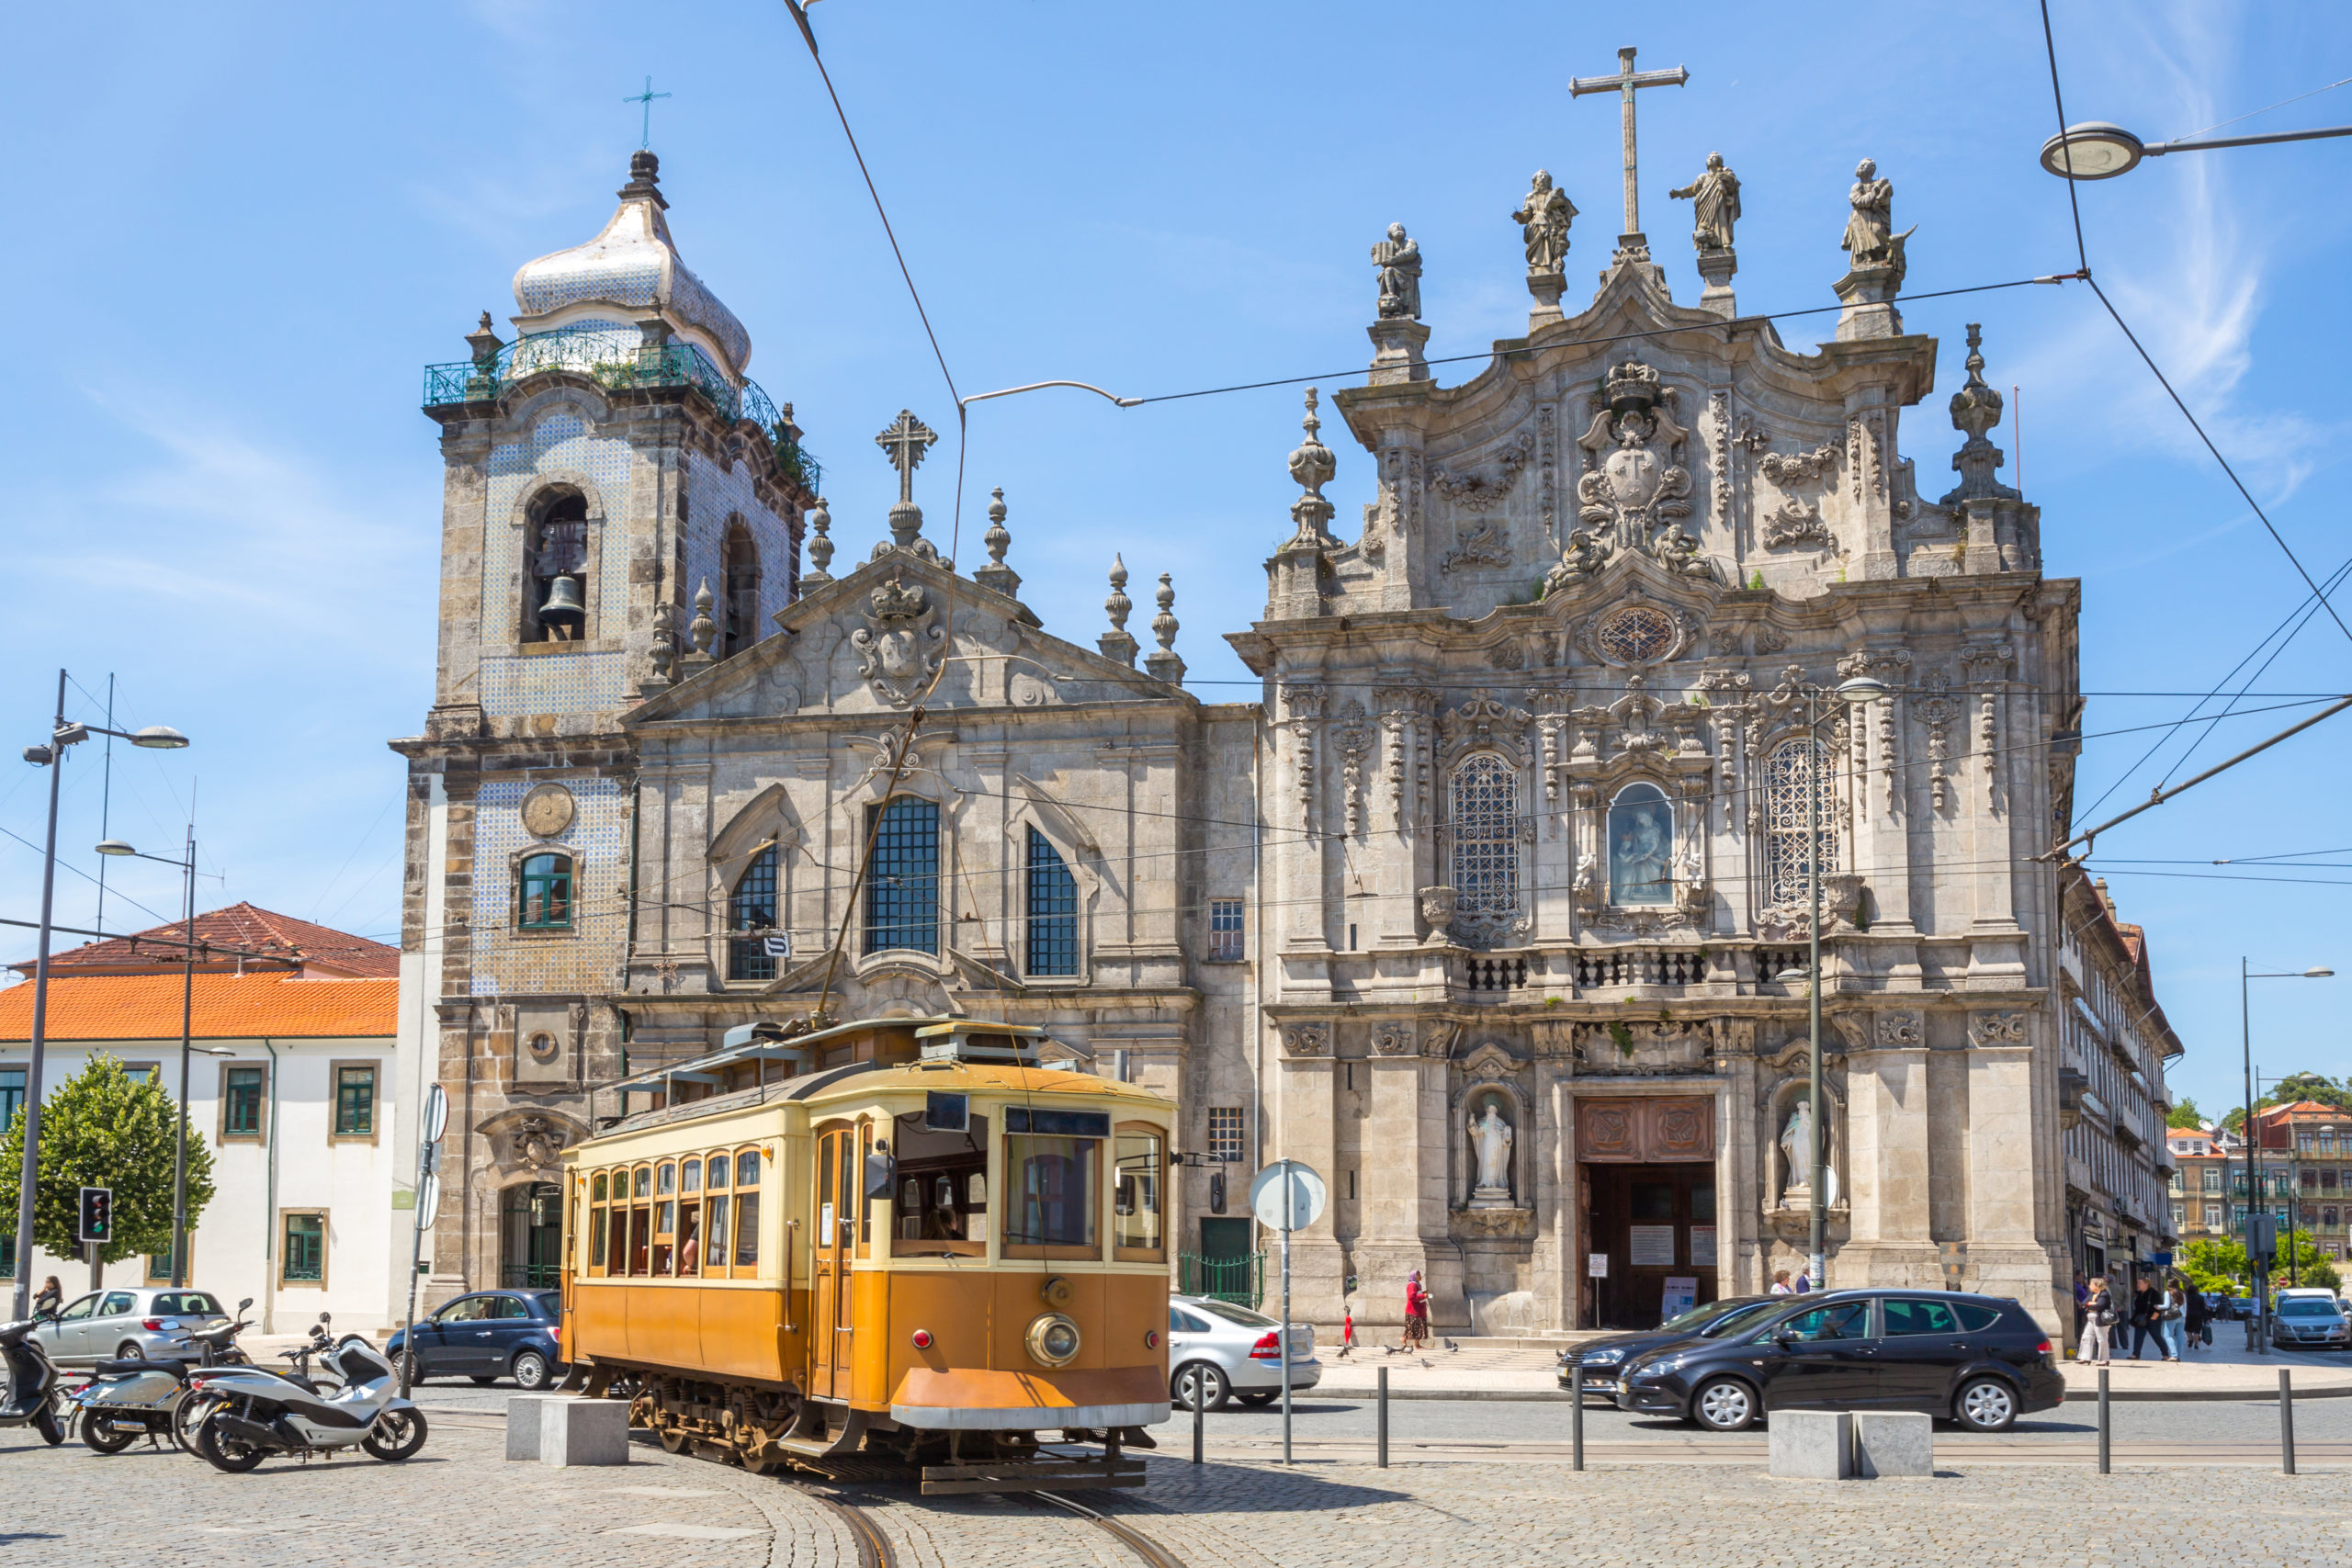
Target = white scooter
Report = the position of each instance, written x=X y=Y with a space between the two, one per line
x=249 y=1414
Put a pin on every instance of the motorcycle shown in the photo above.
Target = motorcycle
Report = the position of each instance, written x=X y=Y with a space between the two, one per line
x=124 y=1399
x=249 y=1414
x=32 y=1382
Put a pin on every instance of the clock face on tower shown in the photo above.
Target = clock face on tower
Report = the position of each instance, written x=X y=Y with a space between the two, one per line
x=547 y=810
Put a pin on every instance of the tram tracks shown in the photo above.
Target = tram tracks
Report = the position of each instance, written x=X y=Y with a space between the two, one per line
x=1135 y=1540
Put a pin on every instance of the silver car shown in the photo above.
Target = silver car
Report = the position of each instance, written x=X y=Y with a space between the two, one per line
x=145 y=1323
x=1218 y=1351
x=2309 y=1320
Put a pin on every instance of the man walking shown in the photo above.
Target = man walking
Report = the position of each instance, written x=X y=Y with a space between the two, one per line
x=2197 y=1314
x=2147 y=1322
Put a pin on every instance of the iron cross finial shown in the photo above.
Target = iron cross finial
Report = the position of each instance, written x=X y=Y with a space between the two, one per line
x=904 y=442
x=646 y=98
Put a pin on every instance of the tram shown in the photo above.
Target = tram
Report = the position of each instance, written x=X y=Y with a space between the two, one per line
x=902 y=1240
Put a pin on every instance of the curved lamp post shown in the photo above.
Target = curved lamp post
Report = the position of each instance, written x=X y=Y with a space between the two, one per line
x=2261 y=1323
x=2096 y=149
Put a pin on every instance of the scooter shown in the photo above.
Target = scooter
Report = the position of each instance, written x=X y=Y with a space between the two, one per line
x=32 y=1382
x=249 y=1413
x=124 y=1399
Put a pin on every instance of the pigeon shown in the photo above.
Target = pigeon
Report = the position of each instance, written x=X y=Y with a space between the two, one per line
x=1451 y=1346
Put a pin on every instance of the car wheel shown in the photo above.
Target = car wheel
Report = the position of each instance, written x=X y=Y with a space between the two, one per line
x=1259 y=1400
x=396 y=1433
x=531 y=1371
x=1987 y=1405
x=128 y=1350
x=1198 y=1385
x=104 y=1437
x=1724 y=1405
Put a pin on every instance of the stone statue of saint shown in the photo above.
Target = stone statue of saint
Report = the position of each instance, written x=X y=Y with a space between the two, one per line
x=1796 y=1147
x=1714 y=195
x=1399 y=260
x=1490 y=1137
x=1543 y=217
x=1869 y=232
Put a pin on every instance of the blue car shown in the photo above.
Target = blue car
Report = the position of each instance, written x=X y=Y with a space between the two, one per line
x=488 y=1335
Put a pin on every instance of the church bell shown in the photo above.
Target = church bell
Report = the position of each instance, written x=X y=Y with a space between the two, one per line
x=565 y=607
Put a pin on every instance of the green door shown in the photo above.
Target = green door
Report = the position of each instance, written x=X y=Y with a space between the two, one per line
x=1225 y=1266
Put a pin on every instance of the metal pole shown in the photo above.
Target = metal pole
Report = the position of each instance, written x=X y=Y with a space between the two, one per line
x=2286 y=1423
x=1383 y=1427
x=1576 y=1416
x=1814 y=1115
x=187 y=1016
x=2252 y=1184
x=1200 y=1418
x=29 y=1174
x=428 y=1156
x=1289 y=1208
x=2104 y=1433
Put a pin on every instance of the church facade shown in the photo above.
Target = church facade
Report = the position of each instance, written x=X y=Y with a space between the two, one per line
x=1494 y=908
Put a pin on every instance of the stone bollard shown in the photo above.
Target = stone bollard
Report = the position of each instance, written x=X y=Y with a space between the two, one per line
x=1892 y=1442
x=524 y=1422
x=583 y=1432
x=1812 y=1445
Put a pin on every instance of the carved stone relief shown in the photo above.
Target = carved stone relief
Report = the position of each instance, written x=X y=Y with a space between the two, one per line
x=898 y=648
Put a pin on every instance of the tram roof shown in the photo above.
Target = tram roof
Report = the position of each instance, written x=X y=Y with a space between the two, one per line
x=938 y=1036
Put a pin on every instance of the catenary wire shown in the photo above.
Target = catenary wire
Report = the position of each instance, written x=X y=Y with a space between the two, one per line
x=2281 y=104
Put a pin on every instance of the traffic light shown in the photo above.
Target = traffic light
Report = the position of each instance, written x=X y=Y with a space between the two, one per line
x=97 y=1214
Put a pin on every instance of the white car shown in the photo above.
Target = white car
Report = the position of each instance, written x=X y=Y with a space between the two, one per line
x=1218 y=1351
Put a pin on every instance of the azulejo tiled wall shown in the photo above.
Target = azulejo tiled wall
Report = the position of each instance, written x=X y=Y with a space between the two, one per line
x=508 y=963
x=715 y=493
x=559 y=441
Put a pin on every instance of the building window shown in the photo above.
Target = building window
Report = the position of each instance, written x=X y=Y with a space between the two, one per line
x=903 y=884
x=743 y=567
x=244 y=1091
x=556 y=579
x=159 y=1266
x=1641 y=846
x=1225 y=930
x=546 y=893
x=2328 y=1216
x=1053 y=912
x=1225 y=1134
x=752 y=909
x=2212 y=1179
x=303 y=1260
x=12 y=1097
x=1485 y=835
x=2176 y=1216
x=1789 y=773
x=354 y=1102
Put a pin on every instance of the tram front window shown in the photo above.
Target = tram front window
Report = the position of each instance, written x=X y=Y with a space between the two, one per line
x=1054 y=1196
x=942 y=1196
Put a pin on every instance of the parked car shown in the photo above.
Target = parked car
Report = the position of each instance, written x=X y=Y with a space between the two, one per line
x=1218 y=1350
x=1601 y=1358
x=1980 y=1361
x=2309 y=1320
x=143 y=1323
x=488 y=1335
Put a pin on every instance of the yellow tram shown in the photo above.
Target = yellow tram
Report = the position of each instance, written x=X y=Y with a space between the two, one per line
x=910 y=1241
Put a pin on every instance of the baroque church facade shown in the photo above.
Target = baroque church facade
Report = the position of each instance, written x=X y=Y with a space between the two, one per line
x=1494 y=908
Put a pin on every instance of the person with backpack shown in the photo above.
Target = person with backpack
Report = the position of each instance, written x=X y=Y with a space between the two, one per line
x=2099 y=1318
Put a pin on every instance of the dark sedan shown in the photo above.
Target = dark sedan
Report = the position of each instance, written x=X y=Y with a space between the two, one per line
x=1602 y=1359
x=488 y=1335
x=1980 y=1360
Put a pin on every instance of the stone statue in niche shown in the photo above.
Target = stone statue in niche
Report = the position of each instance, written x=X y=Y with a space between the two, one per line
x=1714 y=197
x=1796 y=1159
x=1490 y=1141
x=1543 y=219
x=1399 y=260
x=1641 y=847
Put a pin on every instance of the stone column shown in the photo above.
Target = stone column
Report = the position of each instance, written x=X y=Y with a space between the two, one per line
x=1887 y=1157
x=1399 y=1196
x=2008 y=1124
x=1305 y=1131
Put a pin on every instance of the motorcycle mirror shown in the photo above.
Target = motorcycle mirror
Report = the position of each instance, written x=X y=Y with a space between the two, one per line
x=243 y=1305
x=326 y=1317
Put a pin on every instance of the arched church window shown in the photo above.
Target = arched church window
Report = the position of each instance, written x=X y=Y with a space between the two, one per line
x=555 y=577
x=544 y=893
x=751 y=915
x=1789 y=773
x=1052 y=947
x=1485 y=841
x=1641 y=846
x=903 y=884
x=741 y=564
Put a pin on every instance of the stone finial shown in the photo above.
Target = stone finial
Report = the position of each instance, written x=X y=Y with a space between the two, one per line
x=996 y=574
x=820 y=546
x=702 y=628
x=1115 y=643
x=644 y=178
x=1976 y=412
x=905 y=441
x=1313 y=466
x=664 y=648
x=1165 y=665
x=484 y=343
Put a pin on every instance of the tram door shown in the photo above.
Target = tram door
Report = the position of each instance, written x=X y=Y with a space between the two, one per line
x=836 y=1238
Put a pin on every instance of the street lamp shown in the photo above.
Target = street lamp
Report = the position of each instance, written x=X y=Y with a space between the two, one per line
x=187 y=1011
x=2096 y=150
x=2260 y=1324
x=61 y=734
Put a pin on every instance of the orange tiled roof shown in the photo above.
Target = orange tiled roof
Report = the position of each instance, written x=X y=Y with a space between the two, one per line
x=241 y=926
x=227 y=1007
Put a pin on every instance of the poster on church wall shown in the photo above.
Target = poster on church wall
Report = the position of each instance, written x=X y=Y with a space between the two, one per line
x=1596 y=1265
x=1703 y=1246
x=1652 y=1247
x=1681 y=1294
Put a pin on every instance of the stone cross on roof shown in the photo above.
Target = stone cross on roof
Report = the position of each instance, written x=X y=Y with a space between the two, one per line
x=1623 y=84
x=904 y=442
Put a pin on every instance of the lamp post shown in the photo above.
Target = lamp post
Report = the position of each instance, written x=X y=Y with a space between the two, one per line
x=2261 y=1321
x=62 y=735
x=2096 y=150
x=188 y=1012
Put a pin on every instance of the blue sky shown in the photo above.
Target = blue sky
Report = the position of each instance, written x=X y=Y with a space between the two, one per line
x=245 y=227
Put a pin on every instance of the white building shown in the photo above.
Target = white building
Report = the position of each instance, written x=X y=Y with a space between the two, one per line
x=295 y=1084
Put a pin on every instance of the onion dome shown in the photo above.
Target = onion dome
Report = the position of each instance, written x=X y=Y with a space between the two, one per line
x=630 y=268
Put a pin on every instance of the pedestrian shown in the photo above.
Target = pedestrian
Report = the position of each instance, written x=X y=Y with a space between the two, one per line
x=2082 y=1297
x=1780 y=1282
x=2196 y=1317
x=50 y=1296
x=1346 y=1330
x=1804 y=1284
x=2147 y=1303
x=1417 y=1312
x=2170 y=1317
x=2098 y=1323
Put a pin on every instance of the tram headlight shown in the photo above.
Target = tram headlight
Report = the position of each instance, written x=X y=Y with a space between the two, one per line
x=1053 y=1341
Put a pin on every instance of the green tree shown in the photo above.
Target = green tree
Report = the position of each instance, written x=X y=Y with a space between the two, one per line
x=2310 y=1086
x=2301 y=1262
x=2186 y=1114
x=104 y=1128
x=2216 y=1265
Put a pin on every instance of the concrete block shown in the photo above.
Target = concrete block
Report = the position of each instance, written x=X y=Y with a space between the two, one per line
x=523 y=1425
x=1812 y=1445
x=1893 y=1442
x=583 y=1432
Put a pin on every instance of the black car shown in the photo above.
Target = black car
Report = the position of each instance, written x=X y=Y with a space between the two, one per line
x=1602 y=1357
x=487 y=1336
x=1980 y=1360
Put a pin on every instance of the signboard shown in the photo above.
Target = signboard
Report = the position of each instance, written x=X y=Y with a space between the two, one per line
x=1287 y=1196
x=776 y=945
x=1681 y=1294
x=1703 y=1246
x=428 y=1201
x=1596 y=1265
x=436 y=1115
x=1652 y=1247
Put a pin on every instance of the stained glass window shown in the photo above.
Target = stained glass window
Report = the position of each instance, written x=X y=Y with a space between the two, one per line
x=902 y=885
x=1053 y=911
x=750 y=912
x=1789 y=773
x=1486 y=842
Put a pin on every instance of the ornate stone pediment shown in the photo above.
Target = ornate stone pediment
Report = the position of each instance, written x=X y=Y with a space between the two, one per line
x=900 y=647
x=1483 y=722
x=1307 y=1040
x=1635 y=486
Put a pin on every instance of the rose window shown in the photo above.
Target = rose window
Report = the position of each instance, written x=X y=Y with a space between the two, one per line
x=1637 y=635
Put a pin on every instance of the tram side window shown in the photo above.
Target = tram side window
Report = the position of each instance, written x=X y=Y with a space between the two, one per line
x=747 y=1210
x=641 y=1223
x=1136 y=1192
x=943 y=1188
x=598 y=1216
x=690 y=1218
x=665 y=1216
x=715 y=1207
x=1053 y=1162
